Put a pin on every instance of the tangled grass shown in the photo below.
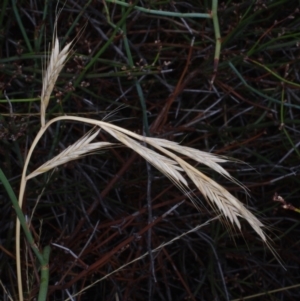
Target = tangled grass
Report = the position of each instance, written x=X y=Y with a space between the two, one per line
x=160 y=153
x=103 y=211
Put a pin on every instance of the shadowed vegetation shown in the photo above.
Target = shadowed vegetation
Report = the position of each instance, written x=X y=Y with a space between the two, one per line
x=156 y=75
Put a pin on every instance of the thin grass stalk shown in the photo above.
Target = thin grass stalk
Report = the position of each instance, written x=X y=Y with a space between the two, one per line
x=212 y=15
x=75 y=22
x=237 y=207
x=105 y=46
x=160 y=12
x=22 y=29
x=38 y=41
x=266 y=293
x=217 y=195
x=55 y=65
x=169 y=163
x=282 y=79
x=20 y=215
x=282 y=123
x=3 y=12
x=147 y=253
x=6 y=293
x=20 y=203
x=286 y=104
x=136 y=82
x=214 y=12
x=43 y=259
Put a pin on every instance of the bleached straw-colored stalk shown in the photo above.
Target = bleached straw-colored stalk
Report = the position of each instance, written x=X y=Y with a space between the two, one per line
x=53 y=68
x=167 y=161
x=174 y=168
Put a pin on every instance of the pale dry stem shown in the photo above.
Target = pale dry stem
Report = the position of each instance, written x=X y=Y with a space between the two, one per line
x=173 y=166
x=166 y=161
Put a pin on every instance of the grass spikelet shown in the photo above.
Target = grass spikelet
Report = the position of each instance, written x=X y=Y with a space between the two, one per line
x=217 y=196
x=75 y=151
x=163 y=155
x=54 y=66
x=205 y=158
x=167 y=166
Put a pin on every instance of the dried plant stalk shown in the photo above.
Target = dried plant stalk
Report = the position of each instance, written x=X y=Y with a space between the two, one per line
x=166 y=161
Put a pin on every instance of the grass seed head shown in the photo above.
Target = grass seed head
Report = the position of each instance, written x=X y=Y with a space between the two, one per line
x=75 y=151
x=54 y=66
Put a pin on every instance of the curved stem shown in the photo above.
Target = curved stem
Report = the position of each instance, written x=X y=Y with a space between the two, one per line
x=24 y=182
x=42 y=258
x=20 y=203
